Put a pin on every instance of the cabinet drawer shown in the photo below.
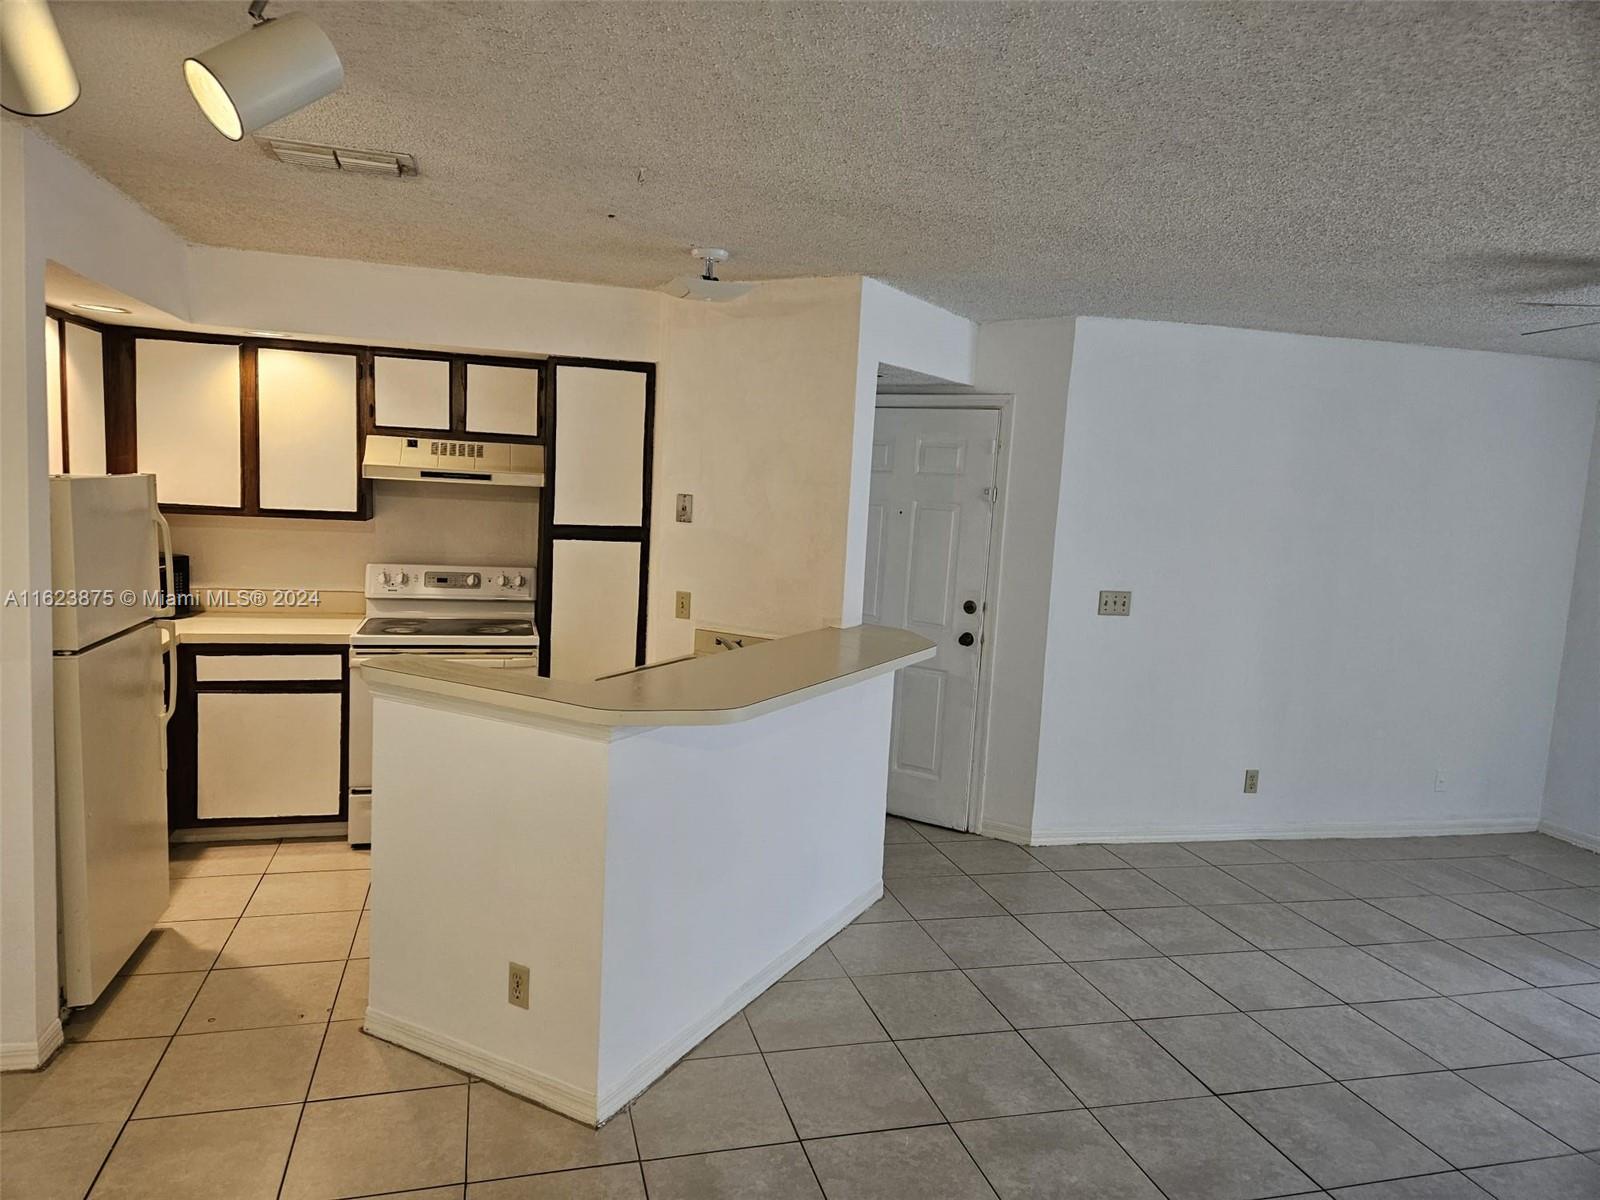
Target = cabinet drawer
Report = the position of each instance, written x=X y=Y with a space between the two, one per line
x=215 y=668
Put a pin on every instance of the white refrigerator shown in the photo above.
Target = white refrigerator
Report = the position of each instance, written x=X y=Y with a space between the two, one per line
x=107 y=542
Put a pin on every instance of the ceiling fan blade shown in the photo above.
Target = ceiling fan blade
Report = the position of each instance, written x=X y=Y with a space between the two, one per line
x=1561 y=303
x=1559 y=328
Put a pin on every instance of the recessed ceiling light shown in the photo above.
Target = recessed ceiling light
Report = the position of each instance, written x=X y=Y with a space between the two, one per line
x=276 y=68
x=111 y=308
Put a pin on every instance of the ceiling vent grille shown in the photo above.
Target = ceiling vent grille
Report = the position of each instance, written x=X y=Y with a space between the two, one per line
x=340 y=158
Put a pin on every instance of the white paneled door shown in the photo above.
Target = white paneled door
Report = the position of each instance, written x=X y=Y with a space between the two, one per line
x=928 y=525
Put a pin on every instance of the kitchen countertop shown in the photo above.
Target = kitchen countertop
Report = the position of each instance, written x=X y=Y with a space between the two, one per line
x=265 y=626
x=715 y=689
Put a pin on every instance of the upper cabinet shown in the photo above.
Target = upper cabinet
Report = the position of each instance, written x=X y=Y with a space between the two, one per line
x=188 y=421
x=306 y=415
x=52 y=392
x=75 y=392
x=502 y=399
x=600 y=454
x=411 y=393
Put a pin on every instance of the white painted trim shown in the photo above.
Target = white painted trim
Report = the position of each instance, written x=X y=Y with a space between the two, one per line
x=656 y=1065
x=1588 y=841
x=557 y=1094
x=30 y=1056
x=579 y=1103
x=978 y=787
x=262 y=833
x=1306 y=829
x=1006 y=832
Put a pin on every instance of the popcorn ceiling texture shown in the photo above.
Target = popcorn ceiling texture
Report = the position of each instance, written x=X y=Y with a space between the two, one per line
x=1384 y=170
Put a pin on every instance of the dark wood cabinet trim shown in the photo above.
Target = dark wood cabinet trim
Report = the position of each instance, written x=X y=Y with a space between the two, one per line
x=250 y=433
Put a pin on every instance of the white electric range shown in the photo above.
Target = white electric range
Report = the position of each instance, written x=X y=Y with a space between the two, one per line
x=477 y=614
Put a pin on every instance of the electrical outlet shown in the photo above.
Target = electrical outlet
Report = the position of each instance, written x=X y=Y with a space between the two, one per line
x=517 y=985
x=1252 y=781
x=1115 y=604
x=1438 y=781
x=685 y=507
x=683 y=606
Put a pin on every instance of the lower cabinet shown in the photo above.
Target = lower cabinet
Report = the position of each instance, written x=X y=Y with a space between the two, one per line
x=258 y=734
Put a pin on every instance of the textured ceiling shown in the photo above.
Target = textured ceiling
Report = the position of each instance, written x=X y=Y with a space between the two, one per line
x=1395 y=171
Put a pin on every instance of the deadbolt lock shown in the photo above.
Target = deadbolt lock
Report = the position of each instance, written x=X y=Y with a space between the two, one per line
x=966 y=639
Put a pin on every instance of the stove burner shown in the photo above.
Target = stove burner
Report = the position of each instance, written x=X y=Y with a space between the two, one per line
x=401 y=627
x=489 y=630
x=424 y=628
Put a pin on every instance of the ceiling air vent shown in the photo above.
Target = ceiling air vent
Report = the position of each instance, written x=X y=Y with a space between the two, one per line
x=340 y=158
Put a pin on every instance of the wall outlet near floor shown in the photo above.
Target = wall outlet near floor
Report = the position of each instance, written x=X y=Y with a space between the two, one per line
x=517 y=985
x=685 y=507
x=1252 y=781
x=1115 y=604
x=682 y=609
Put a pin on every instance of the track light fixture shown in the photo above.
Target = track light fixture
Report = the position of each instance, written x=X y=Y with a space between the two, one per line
x=275 y=68
x=36 y=76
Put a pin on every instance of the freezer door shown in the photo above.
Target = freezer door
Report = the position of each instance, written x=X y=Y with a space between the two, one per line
x=111 y=806
x=105 y=535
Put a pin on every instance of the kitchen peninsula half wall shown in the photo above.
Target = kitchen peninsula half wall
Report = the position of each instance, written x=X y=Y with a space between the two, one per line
x=646 y=852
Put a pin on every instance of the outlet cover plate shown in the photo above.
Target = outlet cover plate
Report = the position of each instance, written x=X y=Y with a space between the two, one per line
x=1115 y=604
x=685 y=507
x=517 y=985
x=1252 y=781
x=682 y=607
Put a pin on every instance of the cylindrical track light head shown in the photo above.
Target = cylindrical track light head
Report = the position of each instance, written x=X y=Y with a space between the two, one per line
x=263 y=74
x=36 y=76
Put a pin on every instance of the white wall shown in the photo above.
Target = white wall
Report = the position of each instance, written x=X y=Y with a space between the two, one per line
x=1572 y=783
x=1350 y=566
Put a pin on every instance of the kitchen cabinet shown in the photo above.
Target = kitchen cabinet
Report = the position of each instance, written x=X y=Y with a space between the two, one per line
x=258 y=734
x=52 y=392
x=411 y=393
x=189 y=420
x=307 y=431
x=502 y=399
x=600 y=441
x=75 y=397
x=594 y=590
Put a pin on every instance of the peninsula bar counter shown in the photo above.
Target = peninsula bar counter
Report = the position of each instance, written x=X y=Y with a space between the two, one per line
x=656 y=848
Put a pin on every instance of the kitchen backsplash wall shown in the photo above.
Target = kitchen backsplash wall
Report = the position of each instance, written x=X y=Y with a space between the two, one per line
x=412 y=522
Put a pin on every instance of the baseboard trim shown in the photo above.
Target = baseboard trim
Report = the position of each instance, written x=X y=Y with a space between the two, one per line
x=565 y=1098
x=1587 y=841
x=1005 y=831
x=582 y=1104
x=262 y=833
x=1306 y=829
x=656 y=1065
x=30 y=1056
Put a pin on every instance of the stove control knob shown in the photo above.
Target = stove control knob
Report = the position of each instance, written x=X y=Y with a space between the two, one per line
x=474 y=579
x=405 y=578
x=502 y=581
x=388 y=579
x=519 y=581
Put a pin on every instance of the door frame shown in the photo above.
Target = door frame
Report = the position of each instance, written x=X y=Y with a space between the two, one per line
x=978 y=783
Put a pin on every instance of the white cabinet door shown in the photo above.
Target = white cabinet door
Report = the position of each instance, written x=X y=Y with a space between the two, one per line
x=594 y=608
x=187 y=417
x=306 y=414
x=83 y=373
x=502 y=399
x=268 y=754
x=411 y=393
x=599 y=446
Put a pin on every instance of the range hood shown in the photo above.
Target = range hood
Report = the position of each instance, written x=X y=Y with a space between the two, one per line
x=447 y=460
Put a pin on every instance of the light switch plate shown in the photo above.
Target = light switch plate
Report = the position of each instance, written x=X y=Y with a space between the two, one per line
x=683 y=606
x=1115 y=604
x=685 y=507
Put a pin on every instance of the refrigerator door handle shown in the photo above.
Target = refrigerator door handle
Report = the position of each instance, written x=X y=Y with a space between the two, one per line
x=169 y=595
x=169 y=679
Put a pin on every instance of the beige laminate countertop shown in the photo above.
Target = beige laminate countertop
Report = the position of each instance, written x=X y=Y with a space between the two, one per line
x=243 y=627
x=713 y=690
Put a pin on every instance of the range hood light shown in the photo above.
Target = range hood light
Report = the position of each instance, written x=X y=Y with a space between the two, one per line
x=270 y=71
x=36 y=75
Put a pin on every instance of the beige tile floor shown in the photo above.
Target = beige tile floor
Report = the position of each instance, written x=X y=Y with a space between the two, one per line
x=1382 y=1019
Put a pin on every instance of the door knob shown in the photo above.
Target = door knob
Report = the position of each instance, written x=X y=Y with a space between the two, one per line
x=969 y=607
x=965 y=639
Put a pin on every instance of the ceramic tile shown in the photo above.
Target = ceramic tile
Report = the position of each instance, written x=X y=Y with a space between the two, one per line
x=1180 y=930
x=1152 y=988
x=353 y=1063
x=333 y=855
x=990 y=858
x=1581 y=995
x=1335 y=1137
x=1271 y=926
x=136 y=1006
x=1230 y=854
x=1504 y=873
x=1530 y=960
x=887 y=947
x=312 y=892
x=1253 y=980
x=911 y=861
x=710 y=1104
x=1204 y=885
x=1286 y=881
x=1155 y=854
x=1082 y=936
x=1445 y=1031
x=362 y=946
x=1583 y=903
x=351 y=1004
x=191 y=860
x=1125 y=888
x=1113 y=1064
x=819 y=964
x=184 y=946
x=982 y=1075
x=896 y=831
x=305 y=937
x=507 y=1135
x=1552 y=1095
x=257 y=997
x=371 y=1144
x=929 y=1004
x=1456 y=1120
x=813 y=1012
x=765 y=1173
x=944 y=896
x=1076 y=858
x=988 y=942
x=1344 y=1043
x=1357 y=922
x=86 y=1083
x=620 y=1182
x=1440 y=917
x=251 y=1068
x=239 y=1155
x=1352 y=975
x=208 y=898
x=1201 y=1150
x=897 y=1165
x=1570 y=1178
x=733 y=1036
x=1043 y=995
x=1446 y=969
x=850 y=1089
x=1365 y=879
x=54 y=1164
x=1054 y=1156
x=1540 y=1019
x=1448 y=1185
x=886 y=908
x=1518 y=912
x=1034 y=892
x=1231 y=1053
